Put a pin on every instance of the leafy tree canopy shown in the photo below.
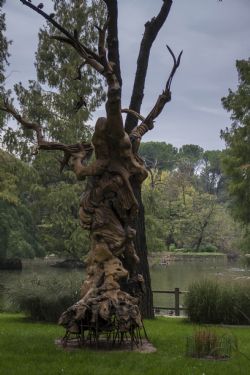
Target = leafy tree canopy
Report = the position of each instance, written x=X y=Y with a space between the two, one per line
x=236 y=159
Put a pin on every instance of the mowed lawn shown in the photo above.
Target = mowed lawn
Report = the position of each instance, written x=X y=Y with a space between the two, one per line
x=28 y=348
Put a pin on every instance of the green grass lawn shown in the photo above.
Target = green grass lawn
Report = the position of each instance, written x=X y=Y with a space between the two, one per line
x=28 y=348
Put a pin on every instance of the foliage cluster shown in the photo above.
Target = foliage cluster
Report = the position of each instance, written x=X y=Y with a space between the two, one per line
x=51 y=199
x=236 y=160
x=44 y=298
x=39 y=210
x=186 y=206
x=18 y=232
x=212 y=302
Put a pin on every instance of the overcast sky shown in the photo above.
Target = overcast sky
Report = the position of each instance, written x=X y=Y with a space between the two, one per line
x=212 y=34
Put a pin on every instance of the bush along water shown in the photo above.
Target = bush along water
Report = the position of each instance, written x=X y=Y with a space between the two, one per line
x=246 y=260
x=44 y=299
x=212 y=302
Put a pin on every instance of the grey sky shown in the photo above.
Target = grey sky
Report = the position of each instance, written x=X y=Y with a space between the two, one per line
x=212 y=34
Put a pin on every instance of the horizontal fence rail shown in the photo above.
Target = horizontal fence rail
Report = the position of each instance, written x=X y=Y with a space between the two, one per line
x=176 y=293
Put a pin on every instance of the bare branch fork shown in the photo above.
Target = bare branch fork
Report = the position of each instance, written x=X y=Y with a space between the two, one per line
x=162 y=99
x=148 y=122
x=166 y=94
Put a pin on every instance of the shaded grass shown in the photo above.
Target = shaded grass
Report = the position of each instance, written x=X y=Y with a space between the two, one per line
x=28 y=348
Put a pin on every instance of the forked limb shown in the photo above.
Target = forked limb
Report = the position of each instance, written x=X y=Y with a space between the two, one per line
x=148 y=122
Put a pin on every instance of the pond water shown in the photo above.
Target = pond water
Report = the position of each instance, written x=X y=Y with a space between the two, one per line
x=182 y=274
x=178 y=274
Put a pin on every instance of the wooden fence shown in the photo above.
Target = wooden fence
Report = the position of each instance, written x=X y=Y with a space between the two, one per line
x=176 y=308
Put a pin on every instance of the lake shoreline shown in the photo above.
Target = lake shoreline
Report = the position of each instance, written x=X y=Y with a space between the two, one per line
x=166 y=257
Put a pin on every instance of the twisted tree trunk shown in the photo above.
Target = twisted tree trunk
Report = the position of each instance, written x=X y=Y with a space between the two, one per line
x=111 y=209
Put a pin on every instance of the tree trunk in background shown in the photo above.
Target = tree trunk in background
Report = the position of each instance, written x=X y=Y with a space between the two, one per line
x=141 y=250
x=152 y=28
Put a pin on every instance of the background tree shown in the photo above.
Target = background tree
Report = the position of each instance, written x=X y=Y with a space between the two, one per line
x=75 y=89
x=211 y=173
x=159 y=155
x=236 y=158
x=4 y=43
x=63 y=98
x=189 y=211
x=19 y=235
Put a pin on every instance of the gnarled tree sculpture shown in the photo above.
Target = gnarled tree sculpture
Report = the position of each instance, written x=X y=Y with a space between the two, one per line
x=110 y=295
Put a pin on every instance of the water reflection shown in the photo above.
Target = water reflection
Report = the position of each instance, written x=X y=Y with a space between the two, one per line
x=182 y=274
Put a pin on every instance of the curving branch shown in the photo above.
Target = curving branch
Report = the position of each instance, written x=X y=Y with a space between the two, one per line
x=148 y=122
x=175 y=67
x=42 y=143
x=133 y=113
x=165 y=97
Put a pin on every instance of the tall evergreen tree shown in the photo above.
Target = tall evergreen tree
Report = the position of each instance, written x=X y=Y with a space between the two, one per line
x=66 y=92
x=54 y=102
x=236 y=160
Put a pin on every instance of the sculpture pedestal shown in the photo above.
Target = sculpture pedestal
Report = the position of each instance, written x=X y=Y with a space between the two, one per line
x=120 y=345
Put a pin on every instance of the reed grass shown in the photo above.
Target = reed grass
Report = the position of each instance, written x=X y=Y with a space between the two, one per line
x=209 y=301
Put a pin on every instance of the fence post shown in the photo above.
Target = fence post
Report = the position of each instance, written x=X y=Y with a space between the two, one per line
x=177 y=301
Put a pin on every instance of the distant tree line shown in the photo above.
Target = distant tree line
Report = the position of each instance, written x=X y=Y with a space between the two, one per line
x=186 y=201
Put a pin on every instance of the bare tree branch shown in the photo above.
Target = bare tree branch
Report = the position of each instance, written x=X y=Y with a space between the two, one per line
x=133 y=113
x=151 y=31
x=166 y=94
x=42 y=143
x=163 y=98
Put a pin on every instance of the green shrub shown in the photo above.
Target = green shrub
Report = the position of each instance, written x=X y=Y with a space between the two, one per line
x=172 y=247
x=44 y=299
x=208 y=248
x=212 y=302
